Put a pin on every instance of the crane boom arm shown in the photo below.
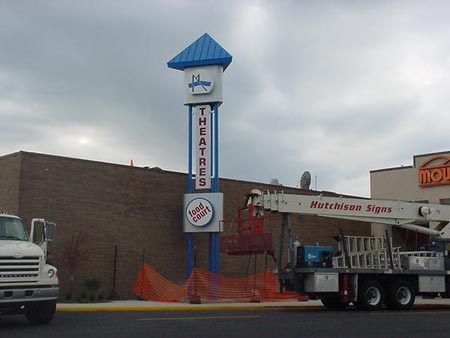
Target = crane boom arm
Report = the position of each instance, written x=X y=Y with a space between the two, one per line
x=397 y=213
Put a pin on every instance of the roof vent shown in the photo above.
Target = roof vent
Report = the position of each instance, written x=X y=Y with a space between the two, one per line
x=274 y=181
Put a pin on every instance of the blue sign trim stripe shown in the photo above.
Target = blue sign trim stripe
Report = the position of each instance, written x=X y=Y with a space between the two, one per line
x=199 y=83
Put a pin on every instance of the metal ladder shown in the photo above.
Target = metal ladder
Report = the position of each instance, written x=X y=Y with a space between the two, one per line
x=366 y=253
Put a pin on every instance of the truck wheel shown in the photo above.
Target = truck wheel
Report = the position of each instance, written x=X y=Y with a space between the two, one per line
x=446 y=294
x=40 y=312
x=401 y=295
x=334 y=303
x=370 y=295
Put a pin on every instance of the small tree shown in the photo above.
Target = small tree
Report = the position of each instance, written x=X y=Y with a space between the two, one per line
x=73 y=255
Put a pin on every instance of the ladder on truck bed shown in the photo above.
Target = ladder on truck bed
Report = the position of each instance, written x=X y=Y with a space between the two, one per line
x=360 y=252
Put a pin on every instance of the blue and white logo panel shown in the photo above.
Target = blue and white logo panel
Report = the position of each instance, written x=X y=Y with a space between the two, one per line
x=201 y=82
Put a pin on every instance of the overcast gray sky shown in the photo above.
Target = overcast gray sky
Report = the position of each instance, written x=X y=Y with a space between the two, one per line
x=334 y=87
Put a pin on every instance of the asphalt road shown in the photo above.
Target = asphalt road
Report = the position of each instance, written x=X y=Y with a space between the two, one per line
x=261 y=323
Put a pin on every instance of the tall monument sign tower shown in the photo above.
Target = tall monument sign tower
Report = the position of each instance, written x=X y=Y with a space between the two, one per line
x=203 y=63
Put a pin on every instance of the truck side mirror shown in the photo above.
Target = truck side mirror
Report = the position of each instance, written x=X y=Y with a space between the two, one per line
x=49 y=231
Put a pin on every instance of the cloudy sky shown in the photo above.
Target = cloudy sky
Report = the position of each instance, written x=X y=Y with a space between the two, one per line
x=338 y=88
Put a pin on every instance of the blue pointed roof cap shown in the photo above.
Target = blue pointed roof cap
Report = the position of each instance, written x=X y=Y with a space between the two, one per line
x=202 y=52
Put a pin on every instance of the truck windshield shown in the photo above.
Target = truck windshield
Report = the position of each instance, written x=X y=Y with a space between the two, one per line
x=12 y=229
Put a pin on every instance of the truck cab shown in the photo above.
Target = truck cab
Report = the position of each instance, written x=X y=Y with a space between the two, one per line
x=28 y=285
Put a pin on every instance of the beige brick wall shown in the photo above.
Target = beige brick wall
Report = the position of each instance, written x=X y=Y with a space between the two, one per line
x=137 y=210
x=9 y=183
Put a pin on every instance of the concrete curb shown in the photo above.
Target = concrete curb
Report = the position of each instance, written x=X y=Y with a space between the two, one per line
x=208 y=307
x=180 y=308
x=159 y=306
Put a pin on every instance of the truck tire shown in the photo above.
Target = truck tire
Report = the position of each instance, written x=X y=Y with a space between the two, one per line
x=370 y=295
x=446 y=294
x=40 y=312
x=401 y=295
x=334 y=303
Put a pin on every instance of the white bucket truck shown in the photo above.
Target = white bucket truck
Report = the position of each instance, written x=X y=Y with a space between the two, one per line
x=366 y=271
x=28 y=285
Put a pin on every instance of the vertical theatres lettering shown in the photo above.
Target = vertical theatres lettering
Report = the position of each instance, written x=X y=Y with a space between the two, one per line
x=203 y=132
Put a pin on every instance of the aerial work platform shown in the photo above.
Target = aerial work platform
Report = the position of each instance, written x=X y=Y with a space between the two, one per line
x=248 y=234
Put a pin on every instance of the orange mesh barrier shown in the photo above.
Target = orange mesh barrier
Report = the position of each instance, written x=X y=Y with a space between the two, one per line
x=202 y=284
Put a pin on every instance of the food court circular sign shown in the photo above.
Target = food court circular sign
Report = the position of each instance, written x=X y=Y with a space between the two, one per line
x=199 y=212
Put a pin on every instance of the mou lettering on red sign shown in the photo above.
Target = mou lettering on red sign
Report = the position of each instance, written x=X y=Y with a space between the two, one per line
x=435 y=172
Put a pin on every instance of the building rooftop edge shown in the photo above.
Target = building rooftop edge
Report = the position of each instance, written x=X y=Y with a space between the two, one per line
x=392 y=168
x=414 y=161
x=158 y=169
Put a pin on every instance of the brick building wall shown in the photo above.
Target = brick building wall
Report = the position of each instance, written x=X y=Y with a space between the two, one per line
x=9 y=183
x=130 y=215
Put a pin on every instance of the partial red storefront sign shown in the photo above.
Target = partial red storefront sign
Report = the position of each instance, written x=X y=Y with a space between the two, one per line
x=435 y=171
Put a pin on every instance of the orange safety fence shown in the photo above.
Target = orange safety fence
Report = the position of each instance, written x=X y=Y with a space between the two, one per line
x=203 y=284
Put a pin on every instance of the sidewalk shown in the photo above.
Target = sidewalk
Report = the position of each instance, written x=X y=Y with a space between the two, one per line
x=142 y=305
